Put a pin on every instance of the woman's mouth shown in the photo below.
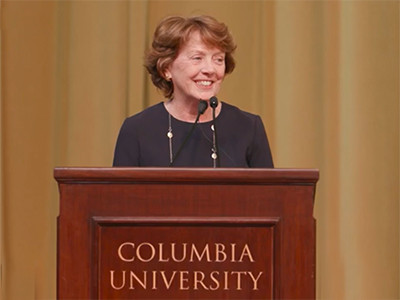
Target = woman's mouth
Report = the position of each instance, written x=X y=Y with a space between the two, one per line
x=204 y=82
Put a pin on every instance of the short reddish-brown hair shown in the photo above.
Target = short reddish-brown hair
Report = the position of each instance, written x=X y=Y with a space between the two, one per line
x=175 y=31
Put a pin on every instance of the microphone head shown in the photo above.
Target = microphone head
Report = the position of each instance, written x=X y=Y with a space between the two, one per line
x=213 y=102
x=202 y=106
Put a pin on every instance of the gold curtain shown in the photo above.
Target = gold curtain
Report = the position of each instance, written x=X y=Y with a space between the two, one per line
x=324 y=76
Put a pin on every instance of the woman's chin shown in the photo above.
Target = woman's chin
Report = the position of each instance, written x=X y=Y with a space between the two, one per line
x=207 y=95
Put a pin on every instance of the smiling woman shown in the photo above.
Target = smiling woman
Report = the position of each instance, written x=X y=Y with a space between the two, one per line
x=188 y=61
x=196 y=73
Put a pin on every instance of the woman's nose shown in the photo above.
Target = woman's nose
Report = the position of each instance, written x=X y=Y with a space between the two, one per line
x=208 y=66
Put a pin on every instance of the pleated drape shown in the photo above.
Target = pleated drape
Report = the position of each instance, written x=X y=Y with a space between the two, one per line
x=323 y=75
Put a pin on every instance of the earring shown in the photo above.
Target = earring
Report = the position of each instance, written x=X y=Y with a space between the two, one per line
x=168 y=78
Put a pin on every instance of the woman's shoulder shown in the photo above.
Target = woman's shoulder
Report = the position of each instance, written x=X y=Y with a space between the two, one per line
x=149 y=114
x=148 y=118
x=233 y=112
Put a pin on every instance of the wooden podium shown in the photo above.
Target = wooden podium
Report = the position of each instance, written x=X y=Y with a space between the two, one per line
x=172 y=233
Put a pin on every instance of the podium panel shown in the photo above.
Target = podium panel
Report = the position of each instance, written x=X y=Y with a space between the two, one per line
x=147 y=233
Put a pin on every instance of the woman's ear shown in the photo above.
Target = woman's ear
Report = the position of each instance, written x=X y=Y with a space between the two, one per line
x=167 y=75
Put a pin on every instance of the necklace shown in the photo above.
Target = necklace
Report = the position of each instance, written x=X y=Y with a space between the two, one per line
x=170 y=135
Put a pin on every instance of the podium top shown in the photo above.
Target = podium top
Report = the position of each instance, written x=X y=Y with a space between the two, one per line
x=186 y=175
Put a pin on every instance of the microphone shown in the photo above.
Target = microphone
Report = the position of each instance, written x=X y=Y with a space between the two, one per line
x=201 y=108
x=215 y=155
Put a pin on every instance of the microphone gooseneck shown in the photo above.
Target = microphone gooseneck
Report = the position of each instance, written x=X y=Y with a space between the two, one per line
x=215 y=155
x=201 y=108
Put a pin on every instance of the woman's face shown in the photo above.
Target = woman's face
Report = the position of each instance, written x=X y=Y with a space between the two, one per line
x=198 y=70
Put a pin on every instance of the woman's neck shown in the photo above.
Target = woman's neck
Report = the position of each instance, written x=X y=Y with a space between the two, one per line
x=187 y=112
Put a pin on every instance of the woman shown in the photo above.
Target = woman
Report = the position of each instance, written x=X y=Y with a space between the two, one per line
x=188 y=62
